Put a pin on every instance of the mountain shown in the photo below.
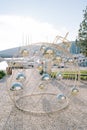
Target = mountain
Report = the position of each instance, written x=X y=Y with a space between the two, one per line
x=14 y=51
x=8 y=53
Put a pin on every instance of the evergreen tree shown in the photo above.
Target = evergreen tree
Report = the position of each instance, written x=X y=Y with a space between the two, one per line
x=82 y=34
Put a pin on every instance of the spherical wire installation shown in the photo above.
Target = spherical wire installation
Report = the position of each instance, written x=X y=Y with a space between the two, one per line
x=45 y=86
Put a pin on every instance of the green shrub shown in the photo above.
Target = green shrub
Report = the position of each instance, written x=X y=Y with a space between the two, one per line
x=53 y=74
x=2 y=74
x=73 y=74
x=83 y=75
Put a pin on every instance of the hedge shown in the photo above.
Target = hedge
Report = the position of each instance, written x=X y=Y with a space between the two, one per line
x=71 y=74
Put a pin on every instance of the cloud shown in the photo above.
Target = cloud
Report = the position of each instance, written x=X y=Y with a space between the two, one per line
x=18 y=30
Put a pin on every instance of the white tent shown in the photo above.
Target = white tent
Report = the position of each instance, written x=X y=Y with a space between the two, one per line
x=3 y=65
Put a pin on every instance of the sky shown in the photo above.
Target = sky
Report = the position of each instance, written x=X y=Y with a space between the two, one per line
x=25 y=22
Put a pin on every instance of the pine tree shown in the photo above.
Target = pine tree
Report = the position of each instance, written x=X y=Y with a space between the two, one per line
x=82 y=34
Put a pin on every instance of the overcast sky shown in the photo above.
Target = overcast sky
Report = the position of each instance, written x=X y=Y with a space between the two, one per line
x=30 y=21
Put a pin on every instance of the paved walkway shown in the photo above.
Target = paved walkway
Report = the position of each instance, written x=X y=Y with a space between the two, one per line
x=74 y=117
